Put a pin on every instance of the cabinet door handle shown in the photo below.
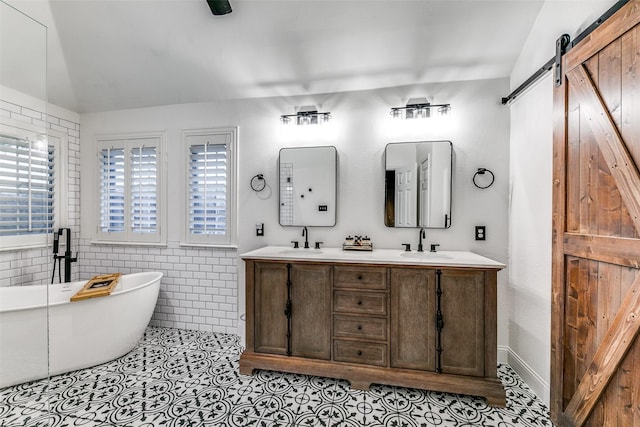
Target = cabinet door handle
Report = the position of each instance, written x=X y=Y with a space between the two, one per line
x=359 y=352
x=359 y=327
x=359 y=276
x=359 y=302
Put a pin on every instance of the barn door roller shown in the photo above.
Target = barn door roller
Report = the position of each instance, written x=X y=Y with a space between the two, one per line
x=561 y=47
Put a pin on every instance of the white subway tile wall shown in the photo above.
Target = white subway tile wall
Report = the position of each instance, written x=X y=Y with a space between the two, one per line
x=34 y=266
x=199 y=289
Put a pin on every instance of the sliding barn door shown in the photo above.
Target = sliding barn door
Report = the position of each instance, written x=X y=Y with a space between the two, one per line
x=595 y=359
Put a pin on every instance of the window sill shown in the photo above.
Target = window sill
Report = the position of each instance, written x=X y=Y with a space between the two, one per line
x=116 y=243
x=26 y=247
x=208 y=245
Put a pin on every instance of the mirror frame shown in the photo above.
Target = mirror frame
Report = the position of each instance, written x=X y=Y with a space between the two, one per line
x=448 y=218
x=335 y=190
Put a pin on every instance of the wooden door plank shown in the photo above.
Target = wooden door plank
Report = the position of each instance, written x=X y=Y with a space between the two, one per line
x=589 y=170
x=609 y=211
x=613 y=28
x=570 y=344
x=622 y=167
x=630 y=125
x=573 y=163
x=560 y=102
x=604 y=413
x=629 y=377
x=608 y=357
x=613 y=250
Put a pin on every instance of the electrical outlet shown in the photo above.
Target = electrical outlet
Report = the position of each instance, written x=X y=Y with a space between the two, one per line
x=259 y=229
x=481 y=232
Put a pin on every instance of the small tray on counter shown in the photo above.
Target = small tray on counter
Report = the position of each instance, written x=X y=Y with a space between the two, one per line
x=357 y=243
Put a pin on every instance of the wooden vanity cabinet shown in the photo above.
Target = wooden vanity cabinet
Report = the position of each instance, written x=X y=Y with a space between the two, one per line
x=463 y=313
x=270 y=299
x=310 y=309
x=371 y=323
x=360 y=320
x=413 y=318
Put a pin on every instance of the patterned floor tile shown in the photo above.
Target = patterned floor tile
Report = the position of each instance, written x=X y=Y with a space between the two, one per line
x=190 y=378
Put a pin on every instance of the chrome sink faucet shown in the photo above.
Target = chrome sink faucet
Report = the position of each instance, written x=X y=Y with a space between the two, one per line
x=422 y=235
x=305 y=234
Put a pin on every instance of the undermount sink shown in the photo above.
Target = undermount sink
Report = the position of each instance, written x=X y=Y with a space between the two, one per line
x=425 y=255
x=300 y=251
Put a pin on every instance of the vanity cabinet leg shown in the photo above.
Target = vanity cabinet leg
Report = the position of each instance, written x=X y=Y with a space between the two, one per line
x=360 y=385
x=247 y=371
x=496 y=401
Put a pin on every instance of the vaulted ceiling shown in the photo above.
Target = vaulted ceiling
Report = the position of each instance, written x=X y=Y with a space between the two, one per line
x=117 y=54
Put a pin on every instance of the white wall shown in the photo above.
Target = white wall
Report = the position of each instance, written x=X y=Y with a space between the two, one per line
x=529 y=289
x=360 y=129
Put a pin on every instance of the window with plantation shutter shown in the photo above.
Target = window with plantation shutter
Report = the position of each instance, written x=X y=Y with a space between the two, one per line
x=130 y=188
x=144 y=188
x=112 y=190
x=26 y=187
x=210 y=178
x=31 y=184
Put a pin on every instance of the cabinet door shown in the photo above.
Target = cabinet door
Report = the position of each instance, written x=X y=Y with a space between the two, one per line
x=311 y=311
x=463 y=315
x=413 y=319
x=270 y=300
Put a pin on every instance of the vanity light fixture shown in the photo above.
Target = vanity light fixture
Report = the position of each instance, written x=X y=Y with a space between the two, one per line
x=306 y=115
x=419 y=108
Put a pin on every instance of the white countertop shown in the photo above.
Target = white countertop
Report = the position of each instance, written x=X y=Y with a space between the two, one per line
x=377 y=256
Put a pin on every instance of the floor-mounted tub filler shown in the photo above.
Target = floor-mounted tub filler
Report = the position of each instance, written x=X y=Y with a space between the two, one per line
x=78 y=334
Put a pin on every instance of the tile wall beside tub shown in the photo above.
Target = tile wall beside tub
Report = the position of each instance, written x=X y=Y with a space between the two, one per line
x=199 y=290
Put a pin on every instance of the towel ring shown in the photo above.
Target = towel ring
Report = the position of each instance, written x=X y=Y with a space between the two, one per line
x=258 y=183
x=482 y=171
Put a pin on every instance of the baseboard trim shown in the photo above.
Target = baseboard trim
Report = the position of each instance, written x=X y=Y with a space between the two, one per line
x=537 y=384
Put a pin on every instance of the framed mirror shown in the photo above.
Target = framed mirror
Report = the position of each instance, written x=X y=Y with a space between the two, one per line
x=418 y=184
x=307 y=186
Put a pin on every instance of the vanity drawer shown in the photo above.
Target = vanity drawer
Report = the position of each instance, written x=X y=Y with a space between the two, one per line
x=354 y=302
x=360 y=352
x=360 y=277
x=371 y=328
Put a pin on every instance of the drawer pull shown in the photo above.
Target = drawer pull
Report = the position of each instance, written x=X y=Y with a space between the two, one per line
x=359 y=327
x=359 y=352
x=359 y=276
x=359 y=302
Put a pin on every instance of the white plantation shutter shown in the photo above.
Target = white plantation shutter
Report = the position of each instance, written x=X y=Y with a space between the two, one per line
x=130 y=187
x=26 y=187
x=208 y=189
x=112 y=190
x=144 y=189
x=210 y=186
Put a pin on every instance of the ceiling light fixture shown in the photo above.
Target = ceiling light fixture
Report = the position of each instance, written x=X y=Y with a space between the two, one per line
x=219 y=7
x=306 y=115
x=419 y=108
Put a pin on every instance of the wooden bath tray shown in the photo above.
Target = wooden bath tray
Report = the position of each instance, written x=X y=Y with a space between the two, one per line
x=98 y=286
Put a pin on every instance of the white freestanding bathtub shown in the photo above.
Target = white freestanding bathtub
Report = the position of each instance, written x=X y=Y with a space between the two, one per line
x=79 y=334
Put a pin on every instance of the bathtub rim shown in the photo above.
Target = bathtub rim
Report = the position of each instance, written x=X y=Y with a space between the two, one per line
x=157 y=277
